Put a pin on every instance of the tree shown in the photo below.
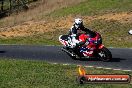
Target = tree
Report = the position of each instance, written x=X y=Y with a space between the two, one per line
x=2 y=5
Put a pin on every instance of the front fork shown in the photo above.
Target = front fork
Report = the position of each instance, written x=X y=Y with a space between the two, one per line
x=100 y=53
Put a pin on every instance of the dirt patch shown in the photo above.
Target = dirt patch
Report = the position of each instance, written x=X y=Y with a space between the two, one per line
x=31 y=28
x=121 y=17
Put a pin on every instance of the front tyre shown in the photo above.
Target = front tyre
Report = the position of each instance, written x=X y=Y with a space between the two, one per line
x=105 y=55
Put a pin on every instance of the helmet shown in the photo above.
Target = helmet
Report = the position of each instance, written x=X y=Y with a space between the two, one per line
x=78 y=23
x=130 y=32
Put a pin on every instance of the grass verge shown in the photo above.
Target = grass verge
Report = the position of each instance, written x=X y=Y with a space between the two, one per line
x=94 y=7
x=39 y=74
x=39 y=39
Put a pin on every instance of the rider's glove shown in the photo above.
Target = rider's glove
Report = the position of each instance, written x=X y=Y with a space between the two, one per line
x=74 y=40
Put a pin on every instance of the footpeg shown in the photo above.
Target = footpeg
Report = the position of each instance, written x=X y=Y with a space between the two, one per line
x=63 y=49
x=72 y=54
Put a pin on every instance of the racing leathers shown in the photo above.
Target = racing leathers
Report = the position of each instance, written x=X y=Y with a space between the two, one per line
x=73 y=33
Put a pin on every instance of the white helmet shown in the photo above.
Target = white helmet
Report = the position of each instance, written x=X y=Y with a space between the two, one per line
x=130 y=32
x=78 y=23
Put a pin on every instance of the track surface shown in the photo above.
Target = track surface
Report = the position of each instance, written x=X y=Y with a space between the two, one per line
x=122 y=58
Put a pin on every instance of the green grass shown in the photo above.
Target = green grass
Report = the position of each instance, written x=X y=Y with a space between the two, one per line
x=39 y=74
x=50 y=38
x=95 y=7
x=31 y=40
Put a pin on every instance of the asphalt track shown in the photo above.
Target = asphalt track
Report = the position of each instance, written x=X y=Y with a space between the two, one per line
x=122 y=58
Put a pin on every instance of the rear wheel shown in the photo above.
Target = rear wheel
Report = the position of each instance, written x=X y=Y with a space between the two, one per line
x=105 y=55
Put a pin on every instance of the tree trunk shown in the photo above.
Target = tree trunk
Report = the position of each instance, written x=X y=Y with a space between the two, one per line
x=2 y=5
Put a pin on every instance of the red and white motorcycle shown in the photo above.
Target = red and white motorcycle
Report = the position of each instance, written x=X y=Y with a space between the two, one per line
x=92 y=47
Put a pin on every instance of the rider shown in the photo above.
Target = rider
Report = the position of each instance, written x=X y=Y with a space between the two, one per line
x=73 y=32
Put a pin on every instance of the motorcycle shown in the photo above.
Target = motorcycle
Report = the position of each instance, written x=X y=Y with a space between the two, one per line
x=92 y=47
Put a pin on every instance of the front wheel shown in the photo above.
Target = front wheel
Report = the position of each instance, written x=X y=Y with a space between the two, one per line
x=105 y=55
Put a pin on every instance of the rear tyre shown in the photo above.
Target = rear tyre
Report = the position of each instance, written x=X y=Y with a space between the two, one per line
x=105 y=55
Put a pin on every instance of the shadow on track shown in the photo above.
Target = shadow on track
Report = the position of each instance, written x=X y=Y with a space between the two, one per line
x=116 y=59
x=2 y=51
x=96 y=59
